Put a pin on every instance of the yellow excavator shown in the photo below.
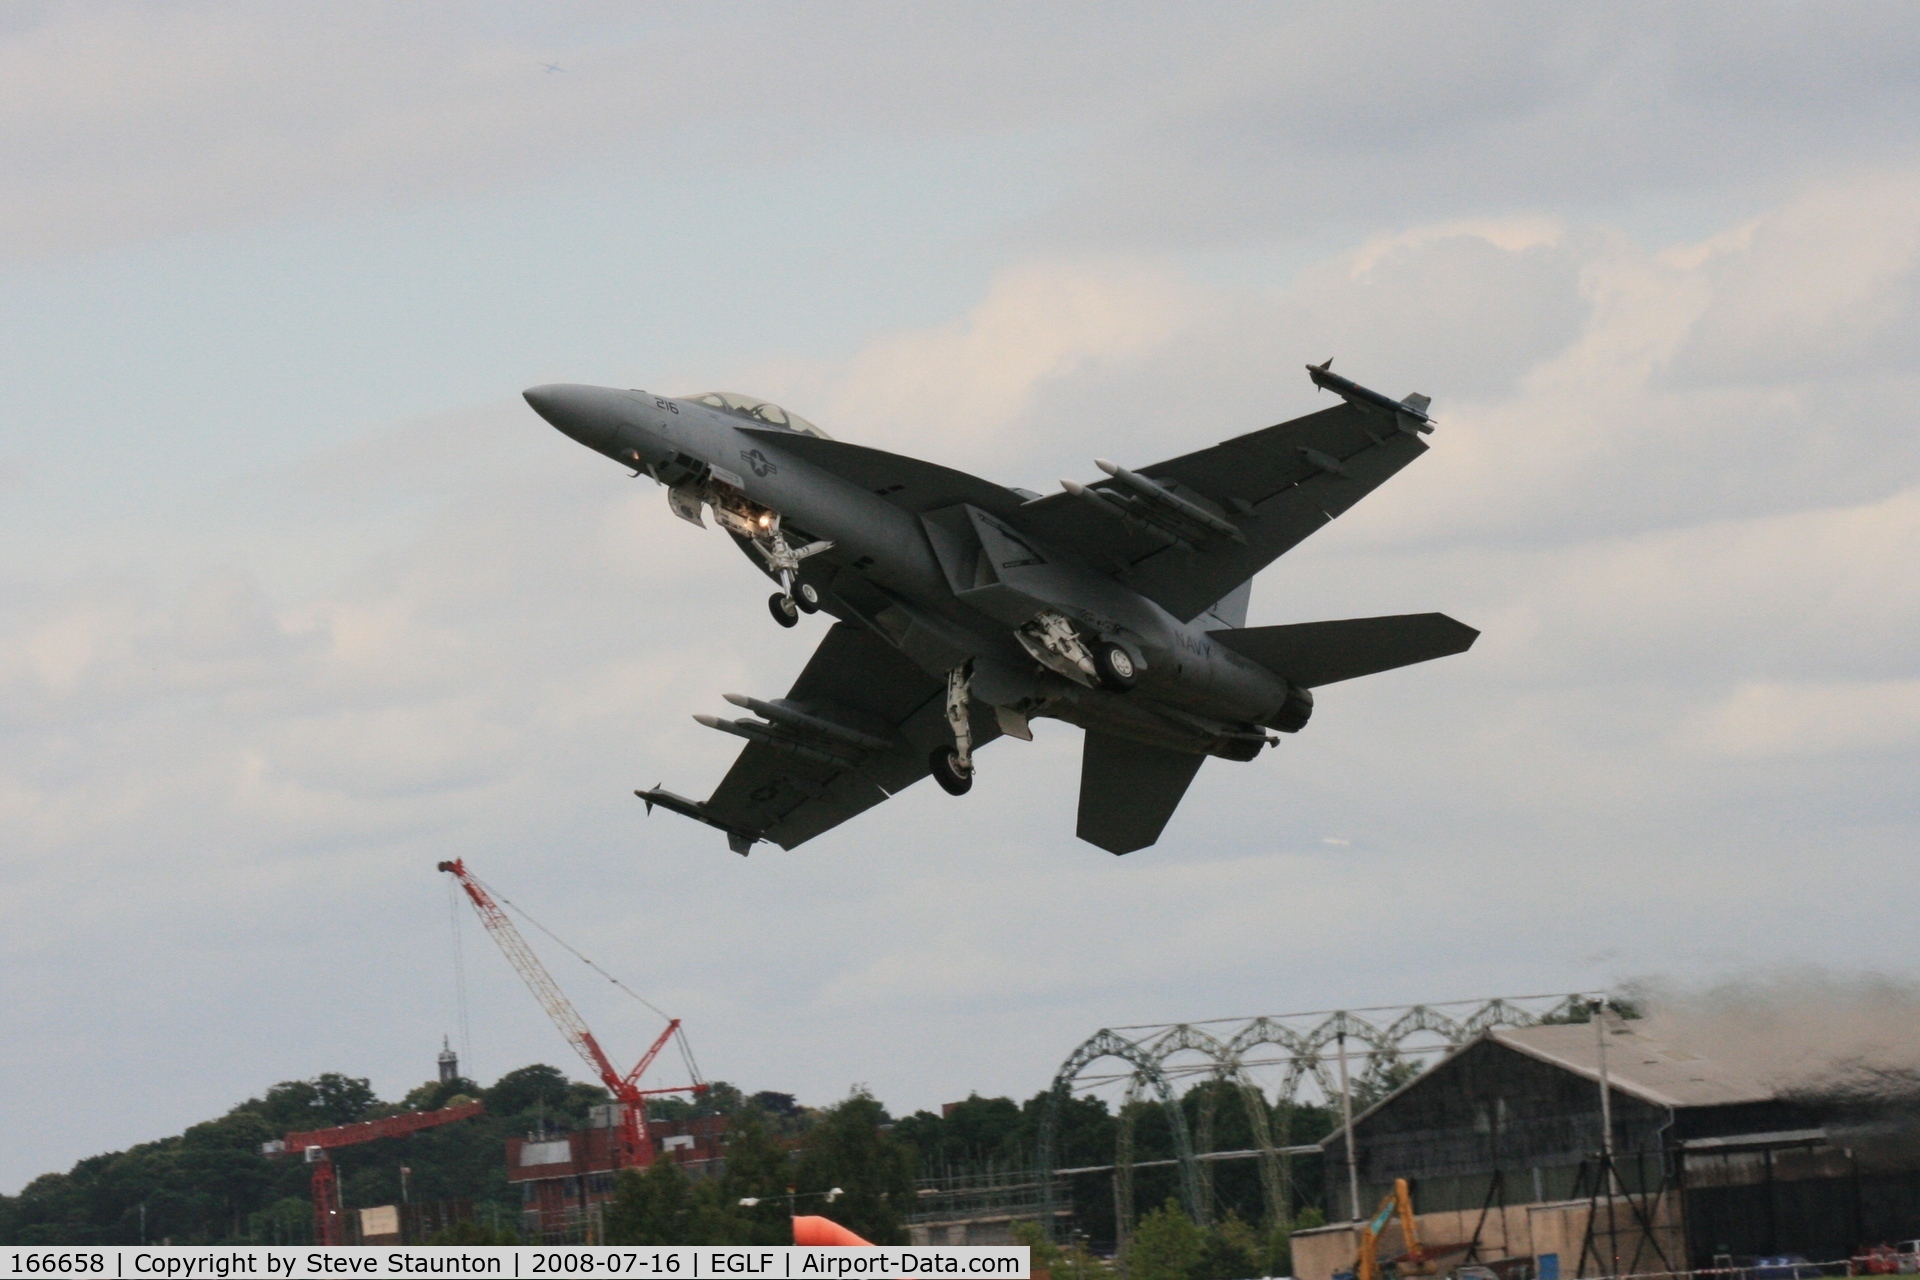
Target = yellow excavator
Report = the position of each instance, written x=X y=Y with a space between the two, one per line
x=1414 y=1261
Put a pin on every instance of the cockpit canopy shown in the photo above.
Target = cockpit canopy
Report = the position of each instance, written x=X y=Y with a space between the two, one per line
x=771 y=415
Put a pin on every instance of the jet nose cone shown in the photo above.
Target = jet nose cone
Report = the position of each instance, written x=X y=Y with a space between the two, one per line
x=577 y=411
x=546 y=400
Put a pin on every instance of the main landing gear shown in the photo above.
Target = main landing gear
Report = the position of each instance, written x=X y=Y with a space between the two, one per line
x=953 y=766
x=1114 y=666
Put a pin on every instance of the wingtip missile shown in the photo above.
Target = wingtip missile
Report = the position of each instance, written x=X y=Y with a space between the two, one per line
x=741 y=842
x=672 y=803
x=1413 y=409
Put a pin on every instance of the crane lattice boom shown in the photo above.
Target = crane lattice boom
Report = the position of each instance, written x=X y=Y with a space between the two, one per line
x=635 y=1145
x=535 y=975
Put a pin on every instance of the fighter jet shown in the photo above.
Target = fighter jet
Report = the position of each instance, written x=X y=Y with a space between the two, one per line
x=964 y=609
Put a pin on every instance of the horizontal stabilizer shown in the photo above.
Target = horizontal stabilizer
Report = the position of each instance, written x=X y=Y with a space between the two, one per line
x=1128 y=790
x=1311 y=654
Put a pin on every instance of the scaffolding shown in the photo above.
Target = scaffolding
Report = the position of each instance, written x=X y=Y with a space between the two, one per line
x=981 y=1208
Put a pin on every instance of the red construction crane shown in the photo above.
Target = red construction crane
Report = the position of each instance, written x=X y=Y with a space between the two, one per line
x=633 y=1145
x=316 y=1143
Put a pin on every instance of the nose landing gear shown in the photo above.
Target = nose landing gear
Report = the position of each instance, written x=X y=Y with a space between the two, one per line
x=787 y=606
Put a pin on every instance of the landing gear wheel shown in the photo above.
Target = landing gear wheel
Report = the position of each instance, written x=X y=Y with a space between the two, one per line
x=1115 y=666
x=807 y=596
x=947 y=772
x=783 y=610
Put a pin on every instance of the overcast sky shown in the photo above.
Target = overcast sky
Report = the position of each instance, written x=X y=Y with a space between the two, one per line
x=298 y=598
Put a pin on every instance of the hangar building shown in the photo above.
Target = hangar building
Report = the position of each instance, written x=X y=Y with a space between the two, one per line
x=1501 y=1145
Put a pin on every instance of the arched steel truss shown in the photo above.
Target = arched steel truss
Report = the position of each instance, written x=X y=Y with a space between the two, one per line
x=1226 y=1047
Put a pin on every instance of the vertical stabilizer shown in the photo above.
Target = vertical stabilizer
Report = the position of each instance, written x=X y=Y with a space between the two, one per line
x=1129 y=790
x=1231 y=609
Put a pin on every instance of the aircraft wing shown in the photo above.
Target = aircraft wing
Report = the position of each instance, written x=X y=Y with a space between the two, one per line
x=1265 y=491
x=810 y=770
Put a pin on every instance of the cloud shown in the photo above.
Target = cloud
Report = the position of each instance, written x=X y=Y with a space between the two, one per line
x=120 y=122
x=962 y=388
x=1820 y=290
x=1778 y=719
x=1389 y=115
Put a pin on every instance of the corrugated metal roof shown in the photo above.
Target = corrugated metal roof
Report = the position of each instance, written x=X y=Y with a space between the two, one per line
x=1639 y=1065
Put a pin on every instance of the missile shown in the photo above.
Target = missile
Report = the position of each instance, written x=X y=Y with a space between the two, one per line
x=1108 y=507
x=1414 y=406
x=741 y=842
x=753 y=731
x=1170 y=500
x=809 y=724
x=673 y=804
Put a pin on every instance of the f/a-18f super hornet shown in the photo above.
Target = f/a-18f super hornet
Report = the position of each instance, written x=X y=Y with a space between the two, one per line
x=965 y=609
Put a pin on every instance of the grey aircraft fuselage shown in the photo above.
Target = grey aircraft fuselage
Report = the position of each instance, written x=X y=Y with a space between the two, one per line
x=965 y=608
x=1185 y=679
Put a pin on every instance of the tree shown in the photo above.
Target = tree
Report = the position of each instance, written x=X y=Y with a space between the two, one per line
x=1230 y=1251
x=526 y=1088
x=1166 y=1246
x=1071 y=1261
x=288 y=1220
x=720 y=1099
x=760 y=1169
x=849 y=1149
x=662 y=1207
x=969 y=1136
x=467 y=1231
x=212 y=1185
x=435 y=1094
x=651 y=1207
x=1625 y=1006
x=1385 y=1073
x=326 y=1100
x=1085 y=1135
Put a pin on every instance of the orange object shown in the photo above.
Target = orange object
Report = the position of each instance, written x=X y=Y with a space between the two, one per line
x=1366 y=1265
x=818 y=1231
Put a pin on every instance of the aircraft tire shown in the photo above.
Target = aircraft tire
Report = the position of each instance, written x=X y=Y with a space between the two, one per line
x=945 y=762
x=1115 y=665
x=783 y=610
x=807 y=597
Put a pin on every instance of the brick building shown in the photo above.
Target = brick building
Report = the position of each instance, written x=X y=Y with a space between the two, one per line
x=565 y=1178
